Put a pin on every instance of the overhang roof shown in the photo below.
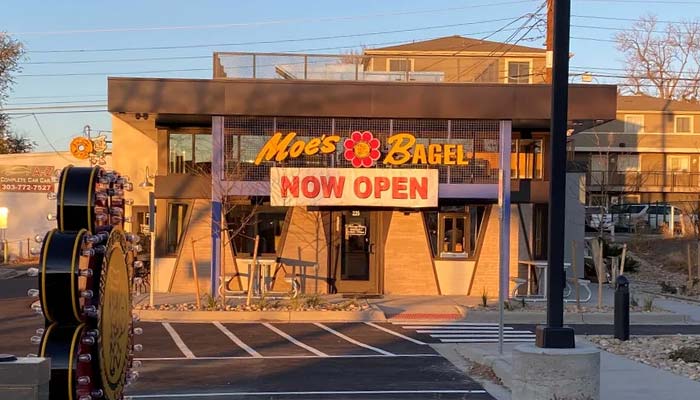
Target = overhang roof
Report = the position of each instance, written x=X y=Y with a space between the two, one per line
x=648 y=103
x=528 y=106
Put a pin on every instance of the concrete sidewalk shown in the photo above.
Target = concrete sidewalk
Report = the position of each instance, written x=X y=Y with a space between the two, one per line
x=620 y=377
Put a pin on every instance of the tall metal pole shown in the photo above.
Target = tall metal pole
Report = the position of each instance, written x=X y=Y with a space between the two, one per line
x=504 y=146
x=554 y=334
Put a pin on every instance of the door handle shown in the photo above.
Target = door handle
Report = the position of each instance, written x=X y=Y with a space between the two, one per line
x=371 y=248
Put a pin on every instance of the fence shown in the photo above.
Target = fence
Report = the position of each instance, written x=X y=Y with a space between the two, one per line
x=645 y=179
x=20 y=250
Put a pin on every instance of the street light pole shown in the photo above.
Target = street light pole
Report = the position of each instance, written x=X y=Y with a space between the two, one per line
x=554 y=334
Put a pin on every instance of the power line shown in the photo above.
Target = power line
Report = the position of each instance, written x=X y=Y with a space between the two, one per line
x=53 y=102
x=55 y=112
x=51 y=107
x=274 y=41
x=265 y=23
x=41 y=129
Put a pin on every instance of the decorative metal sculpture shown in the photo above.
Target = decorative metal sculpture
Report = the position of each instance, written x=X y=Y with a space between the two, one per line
x=85 y=278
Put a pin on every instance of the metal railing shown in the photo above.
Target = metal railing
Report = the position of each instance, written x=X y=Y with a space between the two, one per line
x=642 y=179
x=363 y=67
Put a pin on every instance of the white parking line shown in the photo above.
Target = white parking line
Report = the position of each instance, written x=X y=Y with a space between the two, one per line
x=236 y=340
x=296 y=342
x=389 y=331
x=444 y=323
x=486 y=340
x=518 y=335
x=178 y=340
x=286 y=357
x=353 y=341
x=491 y=328
x=315 y=393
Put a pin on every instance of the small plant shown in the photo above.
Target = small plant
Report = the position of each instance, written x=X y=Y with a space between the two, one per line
x=295 y=303
x=522 y=302
x=484 y=298
x=687 y=354
x=263 y=303
x=210 y=303
x=667 y=288
x=507 y=306
x=648 y=304
x=313 y=300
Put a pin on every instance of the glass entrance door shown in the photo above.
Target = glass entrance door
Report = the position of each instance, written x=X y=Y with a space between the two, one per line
x=358 y=258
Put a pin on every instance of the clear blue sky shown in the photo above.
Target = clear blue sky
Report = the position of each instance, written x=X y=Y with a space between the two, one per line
x=61 y=25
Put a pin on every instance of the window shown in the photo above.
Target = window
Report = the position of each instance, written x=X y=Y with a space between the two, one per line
x=399 y=64
x=189 y=153
x=526 y=159
x=454 y=231
x=246 y=222
x=683 y=124
x=540 y=227
x=518 y=72
x=634 y=124
x=177 y=213
x=490 y=73
x=627 y=163
x=678 y=163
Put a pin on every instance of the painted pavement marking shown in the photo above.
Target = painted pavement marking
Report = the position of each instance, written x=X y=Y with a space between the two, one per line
x=469 y=332
x=296 y=342
x=178 y=340
x=287 y=357
x=353 y=341
x=389 y=331
x=236 y=340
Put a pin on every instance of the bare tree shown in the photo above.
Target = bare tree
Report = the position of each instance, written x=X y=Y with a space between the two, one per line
x=662 y=61
x=11 y=52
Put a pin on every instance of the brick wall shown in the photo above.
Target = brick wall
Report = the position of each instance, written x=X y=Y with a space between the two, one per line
x=197 y=227
x=486 y=269
x=408 y=265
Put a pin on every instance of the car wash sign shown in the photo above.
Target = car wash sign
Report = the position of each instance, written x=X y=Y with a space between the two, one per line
x=410 y=188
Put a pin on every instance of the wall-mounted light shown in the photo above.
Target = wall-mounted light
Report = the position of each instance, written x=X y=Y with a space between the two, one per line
x=3 y=217
x=146 y=180
x=141 y=115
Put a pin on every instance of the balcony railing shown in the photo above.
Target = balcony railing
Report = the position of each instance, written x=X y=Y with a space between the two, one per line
x=640 y=180
x=361 y=67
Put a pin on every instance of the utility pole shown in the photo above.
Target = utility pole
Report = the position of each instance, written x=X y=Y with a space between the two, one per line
x=555 y=334
x=549 y=42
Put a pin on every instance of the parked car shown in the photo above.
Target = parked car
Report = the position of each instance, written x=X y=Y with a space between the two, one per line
x=659 y=216
x=595 y=215
x=630 y=217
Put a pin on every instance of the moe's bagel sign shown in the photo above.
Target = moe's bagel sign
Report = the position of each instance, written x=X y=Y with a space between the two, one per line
x=362 y=149
x=411 y=188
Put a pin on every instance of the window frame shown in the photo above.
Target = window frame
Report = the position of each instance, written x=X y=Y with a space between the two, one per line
x=691 y=122
x=640 y=128
x=183 y=225
x=518 y=60
x=670 y=157
x=193 y=150
x=411 y=61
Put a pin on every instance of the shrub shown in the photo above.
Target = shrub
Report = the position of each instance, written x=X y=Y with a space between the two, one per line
x=649 y=304
x=687 y=354
x=667 y=288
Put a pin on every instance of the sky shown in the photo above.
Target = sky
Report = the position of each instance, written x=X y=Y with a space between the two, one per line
x=72 y=46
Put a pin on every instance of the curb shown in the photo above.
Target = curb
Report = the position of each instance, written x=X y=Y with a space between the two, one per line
x=671 y=296
x=650 y=318
x=258 y=316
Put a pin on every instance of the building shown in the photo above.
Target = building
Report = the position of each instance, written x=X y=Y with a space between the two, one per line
x=28 y=179
x=389 y=187
x=649 y=153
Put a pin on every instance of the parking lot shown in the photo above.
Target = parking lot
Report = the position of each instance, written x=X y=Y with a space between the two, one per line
x=299 y=361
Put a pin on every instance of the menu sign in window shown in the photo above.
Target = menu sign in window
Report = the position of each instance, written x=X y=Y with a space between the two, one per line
x=26 y=178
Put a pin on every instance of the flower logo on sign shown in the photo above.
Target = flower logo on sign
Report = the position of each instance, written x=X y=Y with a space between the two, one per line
x=361 y=149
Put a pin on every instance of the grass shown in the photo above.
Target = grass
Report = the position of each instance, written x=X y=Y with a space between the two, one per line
x=648 y=304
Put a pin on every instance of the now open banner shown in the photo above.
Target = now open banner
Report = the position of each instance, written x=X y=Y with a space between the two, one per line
x=368 y=187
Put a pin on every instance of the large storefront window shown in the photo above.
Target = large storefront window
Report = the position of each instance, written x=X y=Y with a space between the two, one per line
x=526 y=159
x=177 y=213
x=246 y=222
x=454 y=231
x=189 y=153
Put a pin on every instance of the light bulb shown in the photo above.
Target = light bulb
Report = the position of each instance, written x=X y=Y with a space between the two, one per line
x=97 y=393
x=85 y=272
x=138 y=347
x=35 y=339
x=90 y=311
x=135 y=318
x=85 y=397
x=116 y=220
x=40 y=331
x=116 y=211
x=128 y=186
x=101 y=217
x=138 y=331
x=39 y=238
x=36 y=306
x=86 y=294
x=93 y=332
x=86 y=357
x=51 y=196
x=51 y=217
x=136 y=364
x=35 y=251
x=101 y=196
x=100 y=210
x=33 y=292
x=33 y=271
x=133 y=238
x=88 y=340
x=83 y=380
x=31 y=355
x=137 y=248
x=138 y=264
